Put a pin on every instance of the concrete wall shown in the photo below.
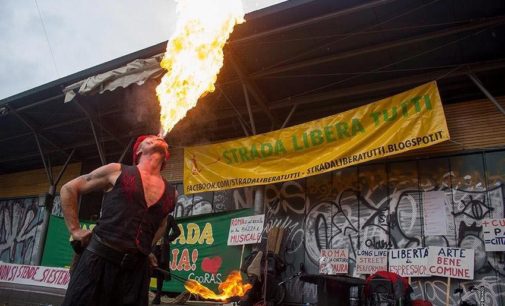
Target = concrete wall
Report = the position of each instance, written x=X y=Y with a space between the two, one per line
x=22 y=212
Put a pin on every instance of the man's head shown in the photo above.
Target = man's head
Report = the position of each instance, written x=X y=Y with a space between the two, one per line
x=149 y=144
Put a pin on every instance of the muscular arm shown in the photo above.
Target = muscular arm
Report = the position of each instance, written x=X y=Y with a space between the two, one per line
x=100 y=179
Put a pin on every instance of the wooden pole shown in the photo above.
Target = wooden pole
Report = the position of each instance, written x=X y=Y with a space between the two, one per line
x=241 y=257
x=447 y=293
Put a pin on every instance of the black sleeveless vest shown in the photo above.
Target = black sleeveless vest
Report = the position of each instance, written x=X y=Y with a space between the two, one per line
x=126 y=223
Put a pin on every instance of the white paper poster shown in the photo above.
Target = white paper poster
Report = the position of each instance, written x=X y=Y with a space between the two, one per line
x=334 y=261
x=451 y=262
x=371 y=261
x=434 y=213
x=494 y=234
x=246 y=230
x=409 y=262
x=34 y=275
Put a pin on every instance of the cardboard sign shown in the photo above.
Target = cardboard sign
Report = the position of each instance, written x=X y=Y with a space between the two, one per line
x=371 y=261
x=494 y=234
x=409 y=262
x=34 y=275
x=246 y=230
x=451 y=262
x=334 y=261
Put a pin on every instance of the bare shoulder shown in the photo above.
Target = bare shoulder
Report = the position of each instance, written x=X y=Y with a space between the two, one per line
x=106 y=174
x=105 y=171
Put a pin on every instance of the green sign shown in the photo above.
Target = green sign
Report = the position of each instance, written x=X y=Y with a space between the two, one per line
x=57 y=250
x=200 y=252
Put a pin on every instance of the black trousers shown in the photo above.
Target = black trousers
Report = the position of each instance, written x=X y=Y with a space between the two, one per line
x=99 y=282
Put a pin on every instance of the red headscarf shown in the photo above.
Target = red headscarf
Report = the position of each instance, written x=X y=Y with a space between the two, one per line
x=137 y=145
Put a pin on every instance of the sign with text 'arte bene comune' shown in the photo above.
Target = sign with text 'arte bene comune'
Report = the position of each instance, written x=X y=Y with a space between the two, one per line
x=451 y=262
x=410 y=120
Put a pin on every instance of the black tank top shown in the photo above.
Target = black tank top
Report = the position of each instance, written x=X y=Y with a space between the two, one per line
x=127 y=223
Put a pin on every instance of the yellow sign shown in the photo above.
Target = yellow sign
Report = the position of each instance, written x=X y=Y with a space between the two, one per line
x=409 y=120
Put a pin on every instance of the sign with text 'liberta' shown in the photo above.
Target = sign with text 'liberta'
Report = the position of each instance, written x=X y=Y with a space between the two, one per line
x=409 y=120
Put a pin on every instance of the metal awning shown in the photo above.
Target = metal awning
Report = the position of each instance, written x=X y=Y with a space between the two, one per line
x=135 y=72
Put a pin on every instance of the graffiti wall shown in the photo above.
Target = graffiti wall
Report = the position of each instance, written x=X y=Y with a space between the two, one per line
x=20 y=227
x=380 y=206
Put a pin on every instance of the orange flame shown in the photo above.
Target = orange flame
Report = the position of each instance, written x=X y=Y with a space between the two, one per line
x=194 y=55
x=231 y=287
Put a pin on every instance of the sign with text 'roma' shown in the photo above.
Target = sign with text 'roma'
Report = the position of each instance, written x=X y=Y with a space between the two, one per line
x=409 y=120
x=246 y=230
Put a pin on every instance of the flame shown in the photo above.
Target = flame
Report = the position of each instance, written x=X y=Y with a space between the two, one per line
x=231 y=287
x=194 y=55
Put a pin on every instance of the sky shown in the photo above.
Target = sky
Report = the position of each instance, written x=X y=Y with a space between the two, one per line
x=68 y=36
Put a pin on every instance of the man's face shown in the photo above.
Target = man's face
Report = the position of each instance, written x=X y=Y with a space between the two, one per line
x=154 y=144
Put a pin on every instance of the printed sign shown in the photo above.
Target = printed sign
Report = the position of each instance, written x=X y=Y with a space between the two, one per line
x=435 y=220
x=451 y=262
x=34 y=275
x=57 y=250
x=371 y=261
x=246 y=230
x=199 y=253
x=409 y=262
x=494 y=234
x=334 y=261
x=410 y=120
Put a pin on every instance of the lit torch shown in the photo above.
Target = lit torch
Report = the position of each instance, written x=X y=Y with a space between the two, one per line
x=231 y=287
x=194 y=55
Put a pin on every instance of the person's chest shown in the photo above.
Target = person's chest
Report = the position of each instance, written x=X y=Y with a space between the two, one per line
x=154 y=187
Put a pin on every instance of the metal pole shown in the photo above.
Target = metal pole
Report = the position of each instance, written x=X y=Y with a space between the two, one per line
x=48 y=171
x=98 y=146
x=64 y=167
x=248 y=103
x=126 y=150
x=477 y=82
x=43 y=234
x=243 y=123
x=289 y=115
x=48 y=206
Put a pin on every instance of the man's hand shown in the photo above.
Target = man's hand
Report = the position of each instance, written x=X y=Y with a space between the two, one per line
x=82 y=235
x=153 y=262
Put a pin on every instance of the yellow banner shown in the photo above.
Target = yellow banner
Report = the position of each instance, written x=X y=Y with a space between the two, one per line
x=410 y=120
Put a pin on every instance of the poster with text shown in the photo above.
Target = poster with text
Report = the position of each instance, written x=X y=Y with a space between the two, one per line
x=334 y=261
x=246 y=230
x=435 y=221
x=199 y=253
x=34 y=275
x=371 y=261
x=451 y=262
x=494 y=234
x=409 y=262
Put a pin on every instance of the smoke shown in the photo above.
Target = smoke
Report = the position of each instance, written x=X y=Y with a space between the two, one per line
x=142 y=106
